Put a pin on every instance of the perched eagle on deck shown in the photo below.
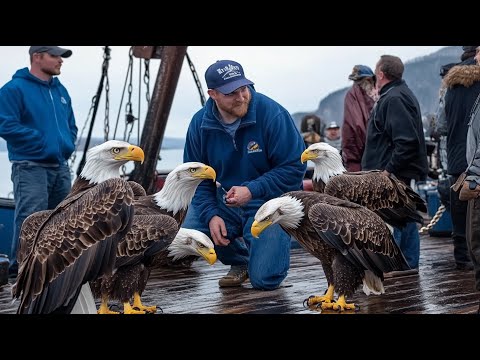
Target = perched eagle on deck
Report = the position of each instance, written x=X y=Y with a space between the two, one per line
x=395 y=202
x=353 y=244
x=62 y=249
x=176 y=195
x=134 y=267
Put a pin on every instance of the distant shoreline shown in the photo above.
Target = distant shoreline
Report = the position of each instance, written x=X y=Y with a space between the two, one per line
x=167 y=143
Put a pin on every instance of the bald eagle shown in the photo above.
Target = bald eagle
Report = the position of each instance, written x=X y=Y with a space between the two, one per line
x=62 y=249
x=132 y=274
x=191 y=242
x=353 y=244
x=174 y=199
x=148 y=235
x=395 y=202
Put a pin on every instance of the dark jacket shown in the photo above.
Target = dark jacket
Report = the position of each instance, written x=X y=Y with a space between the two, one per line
x=463 y=87
x=395 y=138
x=36 y=119
x=264 y=155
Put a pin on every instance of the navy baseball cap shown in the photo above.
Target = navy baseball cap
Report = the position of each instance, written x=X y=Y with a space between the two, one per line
x=226 y=76
x=52 y=50
x=360 y=71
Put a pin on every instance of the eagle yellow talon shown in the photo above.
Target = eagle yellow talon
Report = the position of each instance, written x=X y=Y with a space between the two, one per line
x=137 y=304
x=103 y=309
x=341 y=304
x=147 y=309
x=128 y=309
x=327 y=305
x=327 y=298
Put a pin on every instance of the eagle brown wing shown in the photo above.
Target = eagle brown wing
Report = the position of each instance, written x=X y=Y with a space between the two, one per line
x=145 y=205
x=318 y=186
x=137 y=189
x=395 y=202
x=75 y=244
x=358 y=233
x=28 y=233
x=148 y=235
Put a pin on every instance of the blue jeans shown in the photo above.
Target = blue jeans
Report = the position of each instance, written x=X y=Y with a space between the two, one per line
x=408 y=240
x=35 y=188
x=268 y=257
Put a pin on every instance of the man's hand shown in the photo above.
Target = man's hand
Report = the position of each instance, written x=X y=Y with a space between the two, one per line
x=218 y=231
x=238 y=196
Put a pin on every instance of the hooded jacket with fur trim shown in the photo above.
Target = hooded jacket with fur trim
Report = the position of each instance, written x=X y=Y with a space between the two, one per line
x=463 y=87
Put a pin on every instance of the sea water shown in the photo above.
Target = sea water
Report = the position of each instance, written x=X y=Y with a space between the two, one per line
x=170 y=158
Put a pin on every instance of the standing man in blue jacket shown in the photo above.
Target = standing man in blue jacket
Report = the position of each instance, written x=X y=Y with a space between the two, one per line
x=37 y=122
x=253 y=144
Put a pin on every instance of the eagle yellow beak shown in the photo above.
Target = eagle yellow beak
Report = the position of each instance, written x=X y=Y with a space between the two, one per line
x=258 y=227
x=206 y=172
x=208 y=254
x=307 y=155
x=134 y=153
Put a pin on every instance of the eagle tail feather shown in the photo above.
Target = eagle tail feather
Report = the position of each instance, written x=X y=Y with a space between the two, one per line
x=372 y=284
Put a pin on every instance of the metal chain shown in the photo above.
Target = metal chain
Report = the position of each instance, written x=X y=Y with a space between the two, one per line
x=129 y=118
x=146 y=80
x=434 y=221
x=106 y=127
x=197 y=80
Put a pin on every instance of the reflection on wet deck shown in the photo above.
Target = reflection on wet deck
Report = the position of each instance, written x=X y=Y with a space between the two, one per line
x=437 y=289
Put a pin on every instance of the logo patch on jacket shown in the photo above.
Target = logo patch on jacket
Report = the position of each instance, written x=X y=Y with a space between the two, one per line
x=253 y=147
x=62 y=99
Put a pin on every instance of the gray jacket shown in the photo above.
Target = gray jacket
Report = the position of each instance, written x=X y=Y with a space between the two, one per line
x=473 y=145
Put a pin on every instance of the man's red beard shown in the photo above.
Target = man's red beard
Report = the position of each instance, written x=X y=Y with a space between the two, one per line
x=238 y=110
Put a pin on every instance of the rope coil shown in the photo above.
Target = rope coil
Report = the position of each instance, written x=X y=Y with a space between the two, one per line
x=434 y=221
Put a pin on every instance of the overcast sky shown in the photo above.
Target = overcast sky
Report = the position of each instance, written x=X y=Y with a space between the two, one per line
x=296 y=77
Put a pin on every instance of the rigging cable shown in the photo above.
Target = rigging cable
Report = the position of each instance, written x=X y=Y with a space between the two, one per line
x=129 y=69
x=96 y=101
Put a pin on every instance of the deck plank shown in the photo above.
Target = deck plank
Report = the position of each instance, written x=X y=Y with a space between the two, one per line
x=438 y=289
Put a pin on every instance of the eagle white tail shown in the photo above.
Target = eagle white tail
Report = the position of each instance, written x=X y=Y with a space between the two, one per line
x=85 y=303
x=372 y=284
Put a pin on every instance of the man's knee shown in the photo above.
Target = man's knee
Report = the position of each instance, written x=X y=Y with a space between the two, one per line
x=263 y=281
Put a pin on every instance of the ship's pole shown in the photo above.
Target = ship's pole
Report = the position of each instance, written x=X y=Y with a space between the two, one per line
x=157 y=115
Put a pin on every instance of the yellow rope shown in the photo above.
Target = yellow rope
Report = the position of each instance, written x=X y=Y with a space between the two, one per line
x=434 y=220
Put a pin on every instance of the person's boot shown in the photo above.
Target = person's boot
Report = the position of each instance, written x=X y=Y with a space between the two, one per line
x=235 y=277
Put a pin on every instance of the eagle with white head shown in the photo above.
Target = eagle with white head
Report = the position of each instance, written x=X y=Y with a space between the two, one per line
x=62 y=249
x=353 y=244
x=171 y=201
x=395 y=202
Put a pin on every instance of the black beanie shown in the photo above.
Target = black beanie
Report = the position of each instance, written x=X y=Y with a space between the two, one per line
x=468 y=52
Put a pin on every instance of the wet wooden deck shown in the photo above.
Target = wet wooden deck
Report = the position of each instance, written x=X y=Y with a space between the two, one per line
x=438 y=289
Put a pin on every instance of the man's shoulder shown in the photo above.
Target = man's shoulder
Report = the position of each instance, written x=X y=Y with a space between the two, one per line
x=13 y=85
x=267 y=107
x=198 y=116
x=260 y=98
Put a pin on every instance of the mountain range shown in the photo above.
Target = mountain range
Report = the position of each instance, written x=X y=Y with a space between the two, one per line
x=421 y=74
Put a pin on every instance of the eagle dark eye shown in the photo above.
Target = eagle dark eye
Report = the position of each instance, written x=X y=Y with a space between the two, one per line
x=192 y=170
x=267 y=218
x=115 y=150
x=200 y=245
